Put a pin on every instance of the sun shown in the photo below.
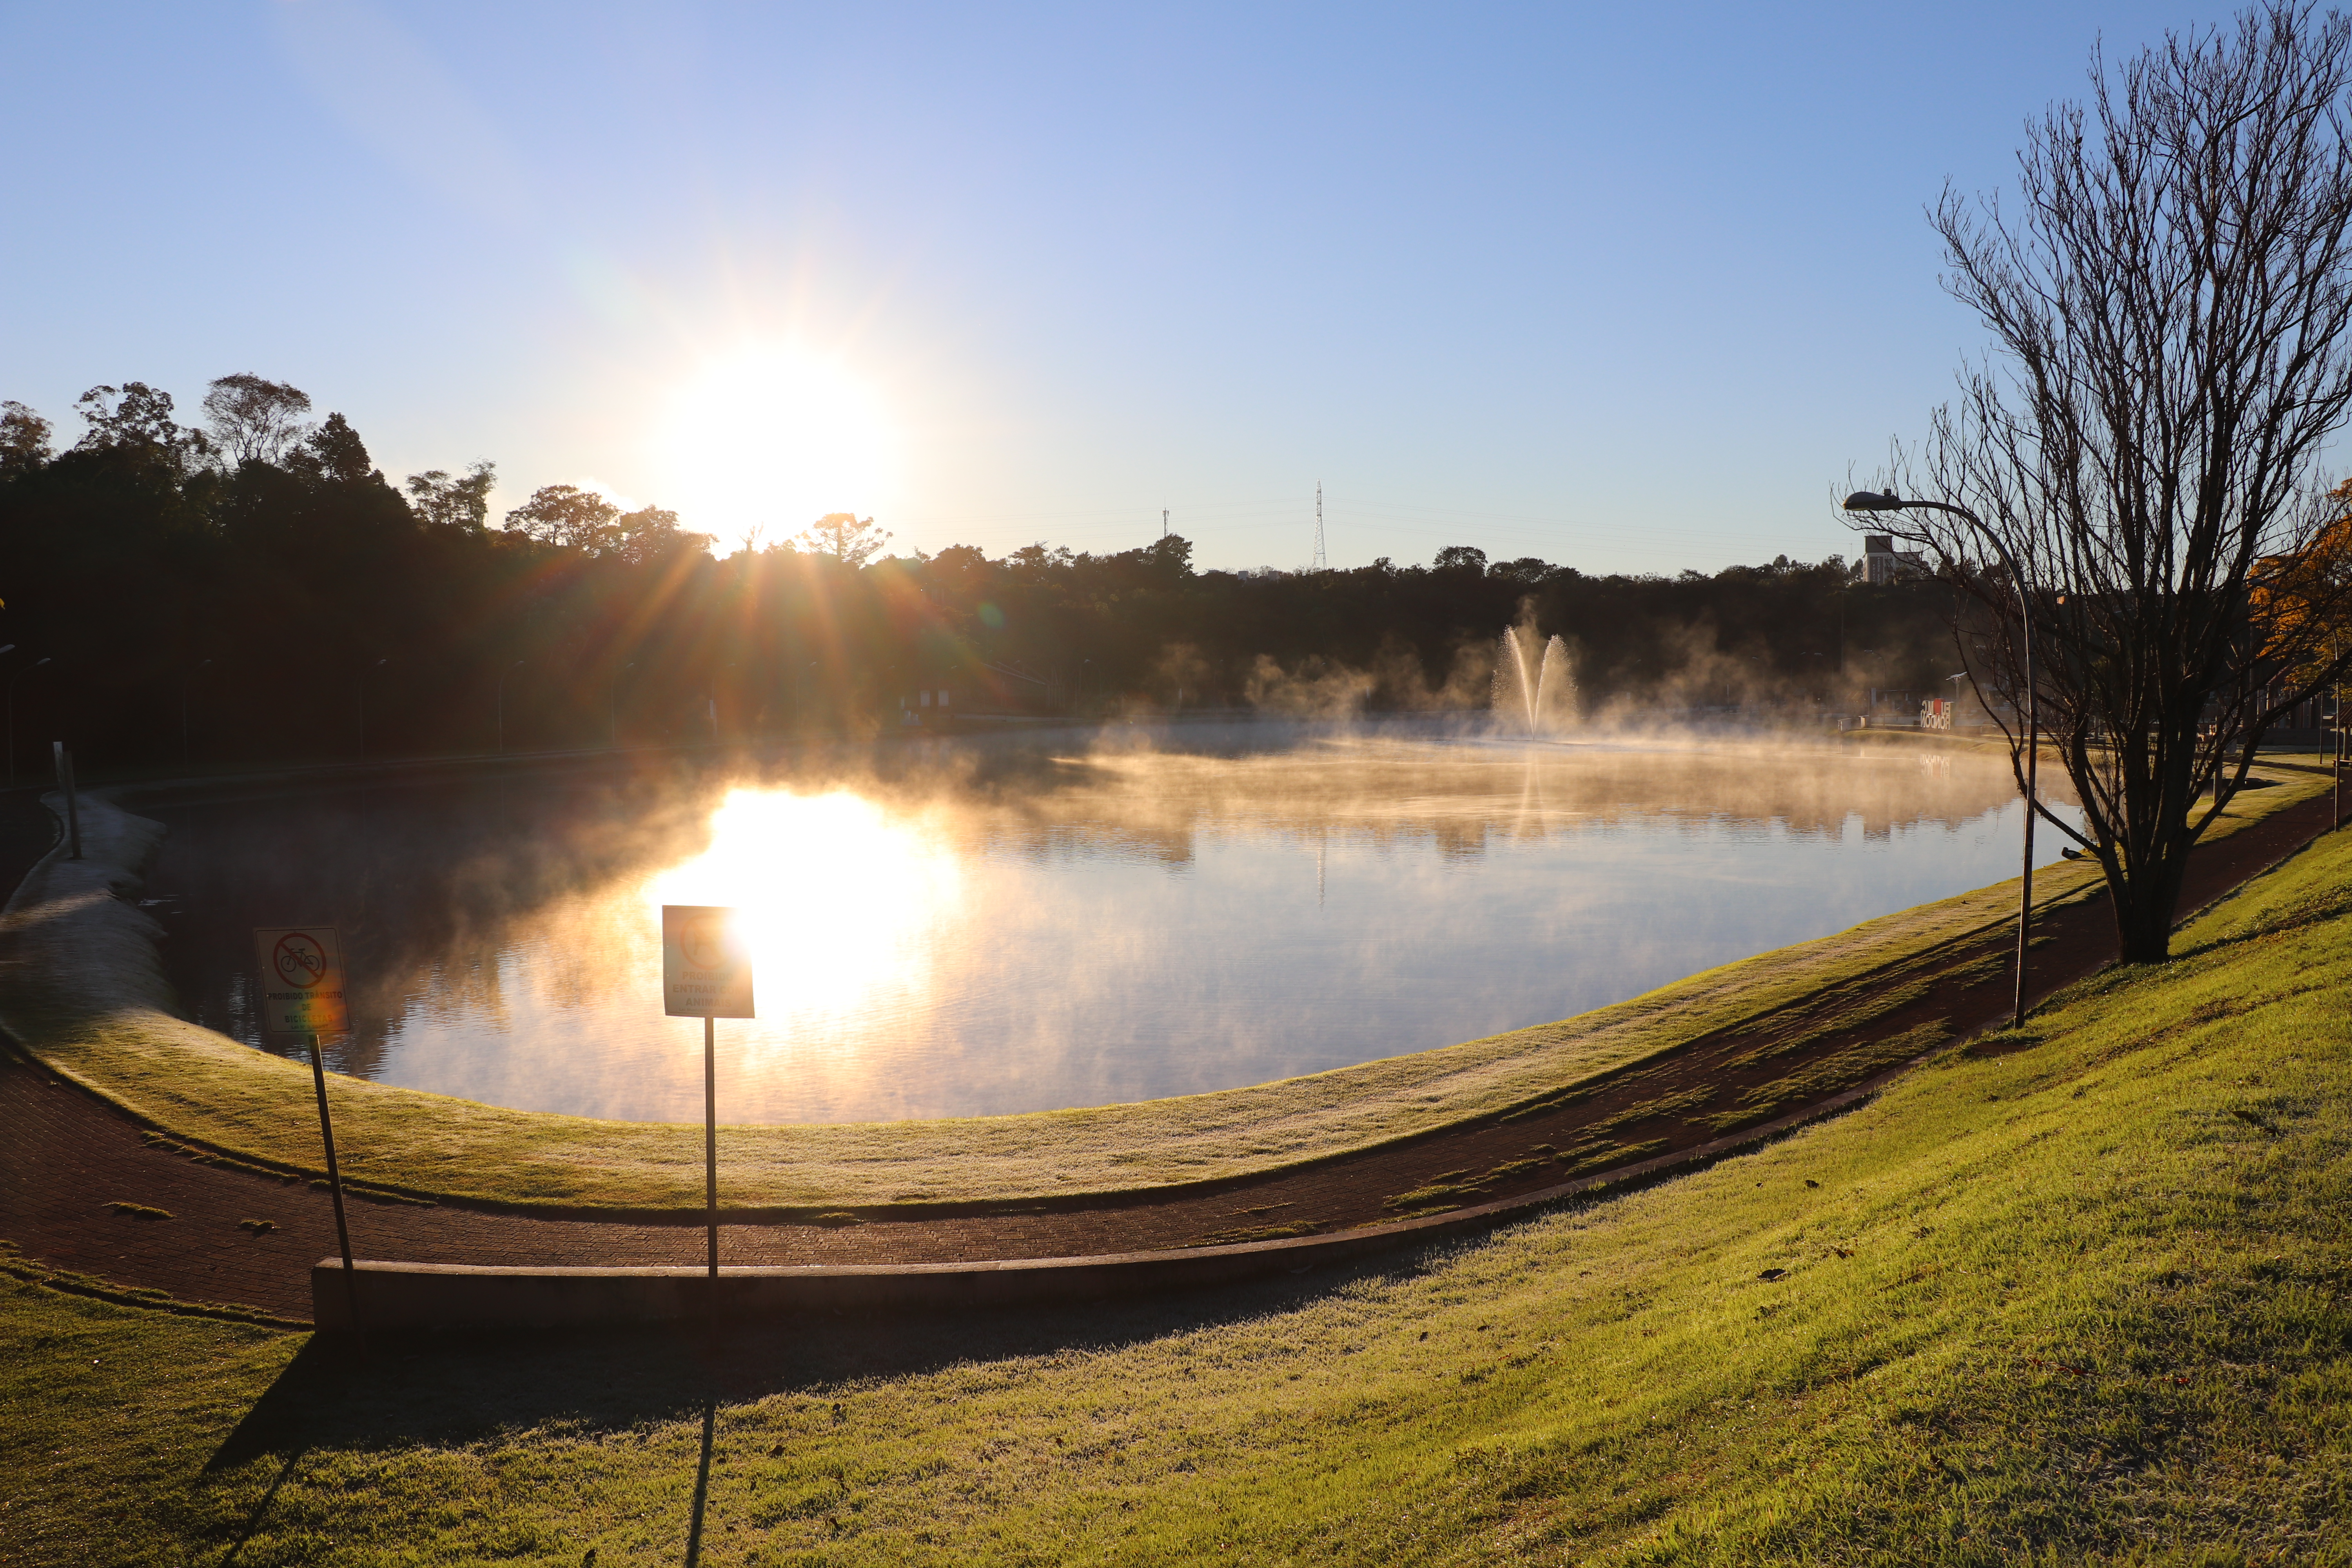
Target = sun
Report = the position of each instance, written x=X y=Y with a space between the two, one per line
x=842 y=902
x=762 y=442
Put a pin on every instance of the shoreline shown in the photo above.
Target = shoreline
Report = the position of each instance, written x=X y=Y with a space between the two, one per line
x=81 y=989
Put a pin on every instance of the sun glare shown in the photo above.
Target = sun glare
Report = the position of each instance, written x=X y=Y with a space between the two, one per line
x=761 y=443
x=839 y=899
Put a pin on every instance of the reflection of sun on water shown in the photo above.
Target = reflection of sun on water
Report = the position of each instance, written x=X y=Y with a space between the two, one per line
x=840 y=902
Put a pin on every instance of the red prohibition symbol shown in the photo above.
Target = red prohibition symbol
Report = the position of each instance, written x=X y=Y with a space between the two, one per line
x=704 y=943
x=299 y=959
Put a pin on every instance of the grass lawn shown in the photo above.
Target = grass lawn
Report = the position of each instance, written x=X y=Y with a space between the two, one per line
x=2080 y=1292
x=80 y=986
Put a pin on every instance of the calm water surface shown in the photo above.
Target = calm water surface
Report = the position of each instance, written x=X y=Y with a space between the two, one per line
x=988 y=931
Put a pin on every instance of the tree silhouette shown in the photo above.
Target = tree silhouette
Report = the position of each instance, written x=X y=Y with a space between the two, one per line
x=24 y=439
x=842 y=536
x=253 y=419
x=135 y=420
x=565 y=515
x=463 y=504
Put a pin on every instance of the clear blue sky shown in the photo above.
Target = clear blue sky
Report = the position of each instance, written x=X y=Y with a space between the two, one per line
x=1624 y=287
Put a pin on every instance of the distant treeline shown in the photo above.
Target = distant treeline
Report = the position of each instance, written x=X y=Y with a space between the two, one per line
x=254 y=589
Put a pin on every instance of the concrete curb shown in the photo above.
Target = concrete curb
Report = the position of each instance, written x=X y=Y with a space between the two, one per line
x=453 y=1295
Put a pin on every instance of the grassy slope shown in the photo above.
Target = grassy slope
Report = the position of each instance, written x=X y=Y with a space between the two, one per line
x=80 y=984
x=2088 y=1298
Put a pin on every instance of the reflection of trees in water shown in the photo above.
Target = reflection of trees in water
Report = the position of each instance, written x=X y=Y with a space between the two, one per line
x=1393 y=797
x=427 y=888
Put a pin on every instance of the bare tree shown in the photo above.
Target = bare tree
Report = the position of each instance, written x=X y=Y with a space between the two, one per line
x=2169 y=311
x=254 y=420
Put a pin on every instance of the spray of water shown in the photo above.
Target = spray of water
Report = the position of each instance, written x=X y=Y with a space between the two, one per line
x=1531 y=689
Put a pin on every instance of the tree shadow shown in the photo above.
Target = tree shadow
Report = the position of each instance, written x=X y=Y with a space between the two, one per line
x=455 y=1387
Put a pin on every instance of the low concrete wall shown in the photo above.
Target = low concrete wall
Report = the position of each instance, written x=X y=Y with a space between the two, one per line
x=434 y=1295
x=455 y=1295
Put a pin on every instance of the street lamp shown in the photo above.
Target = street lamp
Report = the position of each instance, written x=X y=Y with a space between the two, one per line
x=510 y=669
x=1871 y=500
x=12 y=714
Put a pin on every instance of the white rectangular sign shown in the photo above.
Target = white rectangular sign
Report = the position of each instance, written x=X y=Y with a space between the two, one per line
x=301 y=980
x=705 y=973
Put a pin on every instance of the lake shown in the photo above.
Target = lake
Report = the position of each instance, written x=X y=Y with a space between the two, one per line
x=954 y=930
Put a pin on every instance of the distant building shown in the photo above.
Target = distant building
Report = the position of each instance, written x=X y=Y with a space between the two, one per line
x=1882 y=563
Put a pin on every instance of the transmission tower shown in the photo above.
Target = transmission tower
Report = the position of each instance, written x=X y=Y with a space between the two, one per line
x=1163 y=522
x=1321 y=565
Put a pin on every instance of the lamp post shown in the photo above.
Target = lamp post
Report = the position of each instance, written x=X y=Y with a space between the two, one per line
x=2336 y=744
x=510 y=669
x=12 y=715
x=1870 y=501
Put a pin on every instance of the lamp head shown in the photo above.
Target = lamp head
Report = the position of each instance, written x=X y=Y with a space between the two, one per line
x=1871 y=500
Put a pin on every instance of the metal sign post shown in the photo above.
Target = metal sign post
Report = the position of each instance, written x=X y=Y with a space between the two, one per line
x=303 y=997
x=706 y=974
x=73 y=803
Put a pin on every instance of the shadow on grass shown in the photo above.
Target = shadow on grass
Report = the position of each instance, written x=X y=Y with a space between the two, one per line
x=701 y=1485
x=261 y=1509
x=458 y=1387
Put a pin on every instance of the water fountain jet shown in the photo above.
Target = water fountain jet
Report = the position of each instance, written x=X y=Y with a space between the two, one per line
x=1536 y=689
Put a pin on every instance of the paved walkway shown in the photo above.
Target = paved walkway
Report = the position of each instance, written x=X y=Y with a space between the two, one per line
x=68 y=1158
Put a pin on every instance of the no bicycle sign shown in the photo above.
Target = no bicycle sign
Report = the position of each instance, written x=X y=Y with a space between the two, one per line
x=705 y=974
x=301 y=980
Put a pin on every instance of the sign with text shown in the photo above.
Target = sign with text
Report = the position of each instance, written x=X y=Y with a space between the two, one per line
x=301 y=980
x=705 y=974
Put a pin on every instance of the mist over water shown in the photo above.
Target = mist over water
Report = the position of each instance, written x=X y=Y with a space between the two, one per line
x=975 y=929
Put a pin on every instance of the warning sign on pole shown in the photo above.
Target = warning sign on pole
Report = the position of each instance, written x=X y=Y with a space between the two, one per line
x=302 y=995
x=705 y=974
x=301 y=980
